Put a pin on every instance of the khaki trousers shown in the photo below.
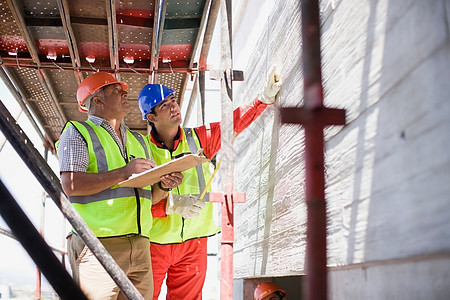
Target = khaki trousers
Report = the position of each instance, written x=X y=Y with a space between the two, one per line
x=131 y=253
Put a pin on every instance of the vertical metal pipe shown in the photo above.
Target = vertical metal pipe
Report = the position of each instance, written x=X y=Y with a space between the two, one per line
x=201 y=84
x=158 y=27
x=314 y=117
x=312 y=72
x=192 y=101
x=316 y=249
x=226 y=250
x=209 y=31
x=37 y=294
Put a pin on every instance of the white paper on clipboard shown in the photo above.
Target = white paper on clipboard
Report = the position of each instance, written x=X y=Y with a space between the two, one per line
x=152 y=176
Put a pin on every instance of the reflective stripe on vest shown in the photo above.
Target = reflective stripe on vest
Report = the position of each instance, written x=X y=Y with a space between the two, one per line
x=102 y=166
x=141 y=140
x=99 y=151
x=194 y=150
x=119 y=192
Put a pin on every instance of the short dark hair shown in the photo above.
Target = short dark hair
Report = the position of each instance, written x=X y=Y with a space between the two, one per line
x=152 y=111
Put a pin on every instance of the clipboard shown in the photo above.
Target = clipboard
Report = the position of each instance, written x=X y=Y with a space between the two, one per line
x=152 y=176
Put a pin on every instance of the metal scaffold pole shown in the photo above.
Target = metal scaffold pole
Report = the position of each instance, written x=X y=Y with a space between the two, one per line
x=314 y=117
x=227 y=197
x=227 y=208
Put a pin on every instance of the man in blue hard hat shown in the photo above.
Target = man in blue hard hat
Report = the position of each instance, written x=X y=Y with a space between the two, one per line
x=182 y=223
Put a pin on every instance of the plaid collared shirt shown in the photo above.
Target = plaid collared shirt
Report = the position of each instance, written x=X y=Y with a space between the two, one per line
x=72 y=149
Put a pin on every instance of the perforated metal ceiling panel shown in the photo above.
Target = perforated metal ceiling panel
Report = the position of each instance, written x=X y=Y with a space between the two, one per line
x=48 y=47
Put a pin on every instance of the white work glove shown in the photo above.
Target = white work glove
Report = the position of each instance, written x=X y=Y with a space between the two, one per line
x=271 y=88
x=187 y=206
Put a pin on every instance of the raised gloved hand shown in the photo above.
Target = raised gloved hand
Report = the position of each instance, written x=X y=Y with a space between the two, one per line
x=271 y=88
x=187 y=206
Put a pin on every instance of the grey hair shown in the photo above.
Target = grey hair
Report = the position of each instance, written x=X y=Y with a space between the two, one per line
x=87 y=102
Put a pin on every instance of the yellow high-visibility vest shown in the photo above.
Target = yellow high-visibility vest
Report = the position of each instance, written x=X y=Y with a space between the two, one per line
x=173 y=228
x=116 y=211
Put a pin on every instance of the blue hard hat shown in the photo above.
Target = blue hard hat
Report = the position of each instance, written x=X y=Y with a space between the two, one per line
x=151 y=95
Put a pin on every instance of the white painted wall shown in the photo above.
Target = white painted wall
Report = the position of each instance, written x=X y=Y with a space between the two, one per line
x=388 y=170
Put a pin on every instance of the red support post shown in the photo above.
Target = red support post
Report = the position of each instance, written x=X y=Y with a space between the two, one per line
x=37 y=294
x=316 y=239
x=314 y=117
x=226 y=249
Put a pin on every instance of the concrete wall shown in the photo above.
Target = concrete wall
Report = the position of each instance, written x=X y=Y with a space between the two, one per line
x=388 y=170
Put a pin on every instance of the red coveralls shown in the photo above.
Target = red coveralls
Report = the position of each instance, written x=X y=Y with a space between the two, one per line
x=185 y=263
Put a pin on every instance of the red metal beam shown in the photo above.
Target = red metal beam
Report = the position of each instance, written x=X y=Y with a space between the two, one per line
x=174 y=69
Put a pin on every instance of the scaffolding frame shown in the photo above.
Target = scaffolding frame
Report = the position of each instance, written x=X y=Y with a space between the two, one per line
x=313 y=116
